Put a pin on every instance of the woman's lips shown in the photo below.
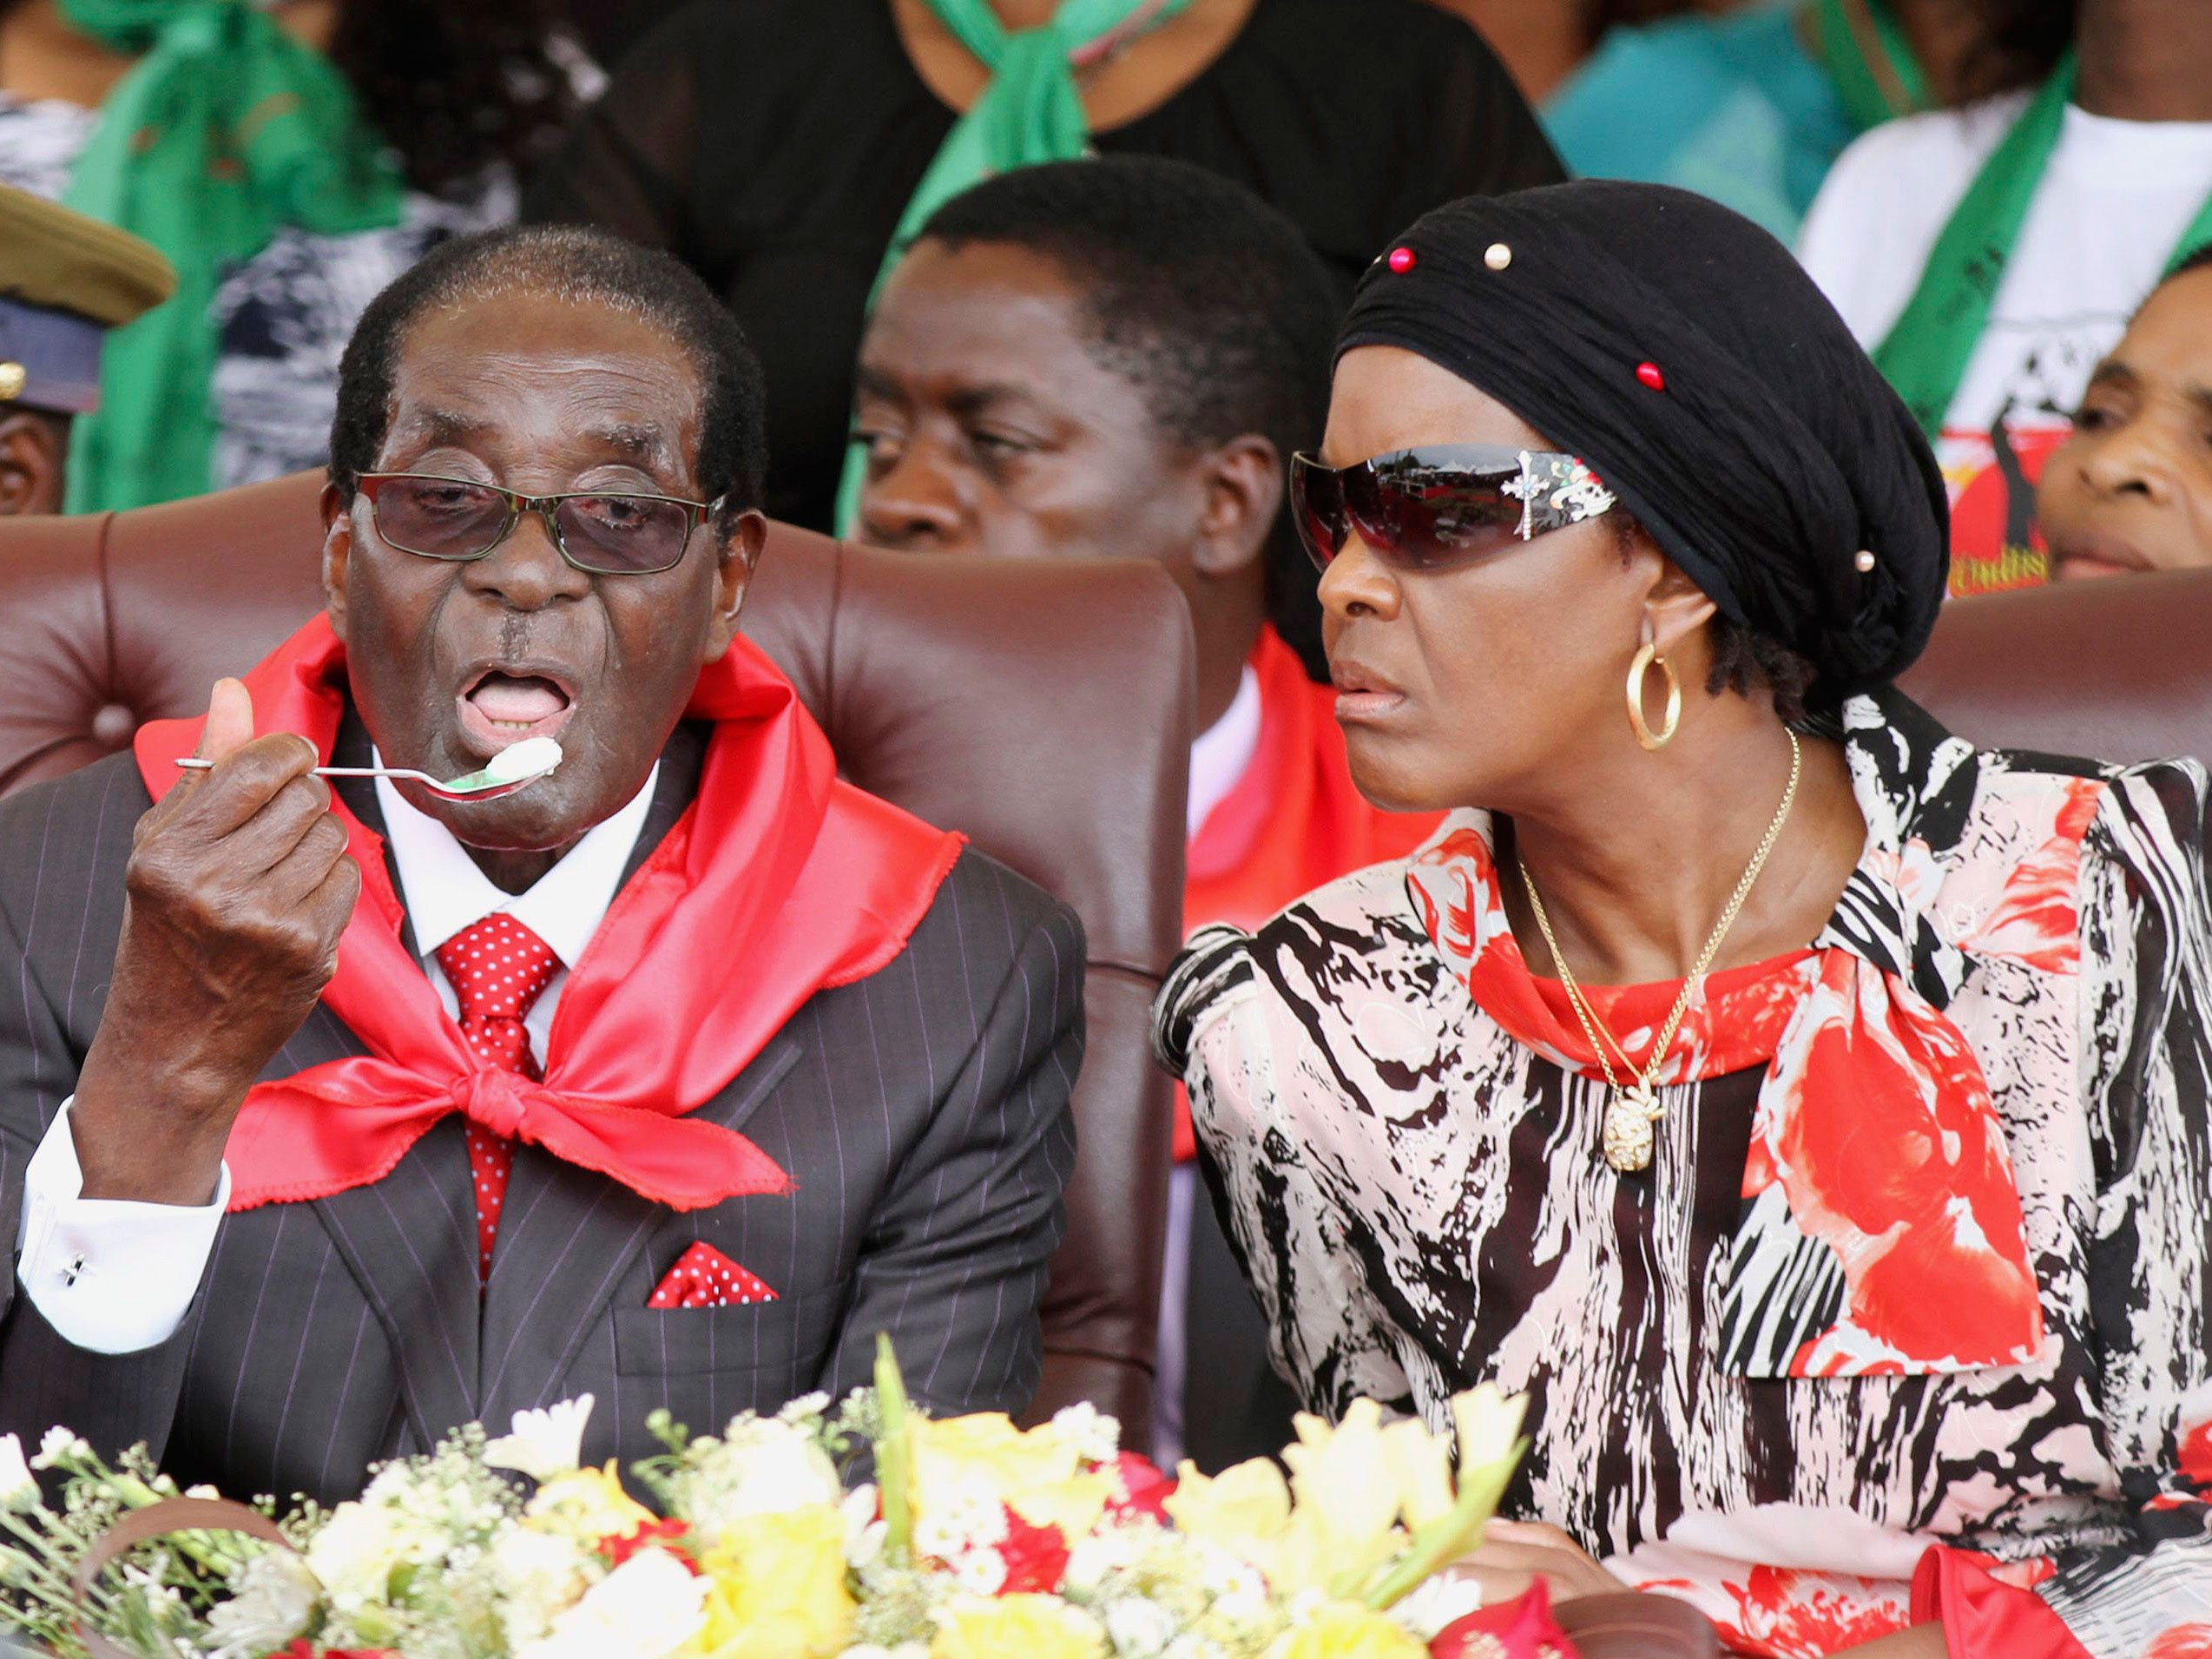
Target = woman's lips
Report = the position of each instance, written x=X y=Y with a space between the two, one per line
x=498 y=709
x=1363 y=695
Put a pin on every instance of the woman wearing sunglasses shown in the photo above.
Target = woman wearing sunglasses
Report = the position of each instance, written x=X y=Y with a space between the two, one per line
x=1807 y=1109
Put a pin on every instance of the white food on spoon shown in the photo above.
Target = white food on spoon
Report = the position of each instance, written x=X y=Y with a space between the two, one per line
x=531 y=758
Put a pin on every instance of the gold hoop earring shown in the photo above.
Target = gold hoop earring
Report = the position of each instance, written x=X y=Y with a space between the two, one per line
x=1653 y=741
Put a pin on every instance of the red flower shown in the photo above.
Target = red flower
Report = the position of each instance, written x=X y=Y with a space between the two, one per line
x=1521 y=1629
x=1140 y=1489
x=670 y=1535
x=300 y=1647
x=1035 y=1557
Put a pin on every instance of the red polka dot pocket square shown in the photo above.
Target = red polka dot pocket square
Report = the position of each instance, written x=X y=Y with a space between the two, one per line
x=704 y=1277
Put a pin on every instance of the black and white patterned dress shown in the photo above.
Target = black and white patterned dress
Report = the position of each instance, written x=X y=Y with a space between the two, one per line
x=284 y=314
x=1924 y=1255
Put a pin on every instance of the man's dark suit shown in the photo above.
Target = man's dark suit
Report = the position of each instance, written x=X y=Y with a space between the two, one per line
x=922 y=1113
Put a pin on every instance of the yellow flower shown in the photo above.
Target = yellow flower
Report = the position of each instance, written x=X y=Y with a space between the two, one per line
x=1343 y=1630
x=776 y=1587
x=1037 y=1470
x=586 y=1504
x=1344 y=1520
x=1017 y=1627
x=1420 y=1467
x=1244 y=1509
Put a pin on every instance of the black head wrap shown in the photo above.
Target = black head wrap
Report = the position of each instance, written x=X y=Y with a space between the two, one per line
x=1679 y=350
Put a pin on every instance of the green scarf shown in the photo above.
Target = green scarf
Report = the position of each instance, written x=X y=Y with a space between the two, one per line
x=1867 y=57
x=225 y=130
x=1926 y=352
x=1031 y=112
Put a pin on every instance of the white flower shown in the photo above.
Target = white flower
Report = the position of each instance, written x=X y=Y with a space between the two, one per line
x=764 y=1467
x=272 y=1598
x=538 y=1576
x=18 y=1486
x=1139 y=1628
x=543 y=1442
x=1437 y=1602
x=357 y=1550
x=1097 y=1437
x=646 y=1609
x=864 y=1533
x=980 y=1572
x=58 y=1446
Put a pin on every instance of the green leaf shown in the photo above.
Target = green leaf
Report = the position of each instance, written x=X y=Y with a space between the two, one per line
x=894 y=1455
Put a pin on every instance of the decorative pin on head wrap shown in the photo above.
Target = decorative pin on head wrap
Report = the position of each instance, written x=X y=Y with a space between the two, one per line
x=1402 y=260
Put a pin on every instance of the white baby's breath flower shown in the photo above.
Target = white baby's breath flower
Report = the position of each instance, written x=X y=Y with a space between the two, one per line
x=959 y=1518
x=543 y=1442
x=18 y=1486
x=1096 y=1437
x=646 y=1609
x=59 y=1446
x=806 y=1406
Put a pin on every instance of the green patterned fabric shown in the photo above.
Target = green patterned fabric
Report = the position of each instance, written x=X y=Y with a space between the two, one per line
x=1031 y=112
x=225 y=130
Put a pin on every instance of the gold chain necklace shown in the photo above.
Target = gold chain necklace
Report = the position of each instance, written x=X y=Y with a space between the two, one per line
x=1634 y=1106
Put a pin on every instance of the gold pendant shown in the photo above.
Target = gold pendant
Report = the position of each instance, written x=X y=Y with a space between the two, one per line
x=1628 y=1117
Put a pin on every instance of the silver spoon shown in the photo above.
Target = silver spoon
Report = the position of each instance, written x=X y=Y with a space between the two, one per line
x=513 y=768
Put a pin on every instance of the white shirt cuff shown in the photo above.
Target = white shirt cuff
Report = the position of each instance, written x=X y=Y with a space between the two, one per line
x=109 y=1276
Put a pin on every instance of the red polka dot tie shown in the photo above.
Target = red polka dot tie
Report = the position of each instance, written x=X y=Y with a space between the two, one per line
x=498 y=968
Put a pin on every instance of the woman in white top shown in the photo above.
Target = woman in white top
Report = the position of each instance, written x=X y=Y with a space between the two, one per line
x=1989 y=256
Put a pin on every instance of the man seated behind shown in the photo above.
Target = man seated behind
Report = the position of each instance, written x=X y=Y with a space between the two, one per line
x=675 y=1076
x=1116 y=358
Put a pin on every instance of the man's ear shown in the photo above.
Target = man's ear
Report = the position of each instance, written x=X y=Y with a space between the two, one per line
x=338 y=553
x=738 y=554
x=34 y=449
x=1243 y=480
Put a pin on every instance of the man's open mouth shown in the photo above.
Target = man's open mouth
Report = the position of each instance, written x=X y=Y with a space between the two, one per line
x=500 y=706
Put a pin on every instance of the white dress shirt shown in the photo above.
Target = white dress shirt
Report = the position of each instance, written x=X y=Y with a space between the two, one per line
x=113 y=1277
x=1222 y=751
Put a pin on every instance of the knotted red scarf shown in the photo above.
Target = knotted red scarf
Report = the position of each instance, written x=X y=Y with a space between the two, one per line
x=779 y=881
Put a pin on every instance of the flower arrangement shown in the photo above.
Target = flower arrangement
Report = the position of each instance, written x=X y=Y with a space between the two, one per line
x=975 y=1540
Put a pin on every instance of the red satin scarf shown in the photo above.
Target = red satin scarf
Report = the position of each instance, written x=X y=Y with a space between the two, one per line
x=778 y=881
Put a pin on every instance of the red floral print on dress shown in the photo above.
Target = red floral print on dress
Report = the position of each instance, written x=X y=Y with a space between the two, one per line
x=1876 y=1135
x=1782 y=1613
x=1911 y=1187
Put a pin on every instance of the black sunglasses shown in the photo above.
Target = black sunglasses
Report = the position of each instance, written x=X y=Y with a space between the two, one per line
x=1432 y=508
x=611 y=533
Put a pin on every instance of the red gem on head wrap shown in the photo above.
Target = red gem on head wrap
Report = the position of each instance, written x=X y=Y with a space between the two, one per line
x=1401 y=259
x=1649 y=374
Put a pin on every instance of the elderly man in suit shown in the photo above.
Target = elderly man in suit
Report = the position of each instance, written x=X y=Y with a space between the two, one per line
x=330 y=1121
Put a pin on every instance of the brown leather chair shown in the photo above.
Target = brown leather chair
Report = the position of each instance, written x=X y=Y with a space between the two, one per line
x=2120 y=669
x=1042 y=709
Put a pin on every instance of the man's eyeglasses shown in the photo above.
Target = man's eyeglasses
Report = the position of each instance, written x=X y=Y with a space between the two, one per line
x=607 y=533
x=1432 y=508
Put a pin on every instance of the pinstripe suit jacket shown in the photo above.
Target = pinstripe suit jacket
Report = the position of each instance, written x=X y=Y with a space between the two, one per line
x=922 y=1113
